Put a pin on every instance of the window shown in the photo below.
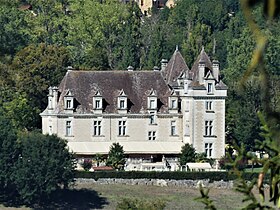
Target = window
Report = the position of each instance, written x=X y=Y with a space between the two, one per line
x=122 y=128
x=152 y=135
x=173 y=104
x=208 y=149
x=97 y=104
x=68 y=104
x=209 y=105
x=152 y=118
x=152 y=104
x=68 y=128
x=208 y=128
x=122 y=106
x=210 y=88
x=97 y=128
x=173 y=128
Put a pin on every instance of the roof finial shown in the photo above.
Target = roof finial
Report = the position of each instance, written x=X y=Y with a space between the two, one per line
x=202 y=48
x=177 y=48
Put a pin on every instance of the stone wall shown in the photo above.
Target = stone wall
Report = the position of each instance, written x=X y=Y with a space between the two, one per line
x=160 y=182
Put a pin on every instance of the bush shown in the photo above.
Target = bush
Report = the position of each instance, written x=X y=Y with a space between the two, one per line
x=87 y=164
x=177 y=175
x=44 y=165
x=136 y=204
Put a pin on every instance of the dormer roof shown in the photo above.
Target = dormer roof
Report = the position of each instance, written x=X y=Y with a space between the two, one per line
x=175 y=67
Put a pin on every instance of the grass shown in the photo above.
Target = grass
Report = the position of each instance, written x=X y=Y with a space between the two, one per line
x=87 y=196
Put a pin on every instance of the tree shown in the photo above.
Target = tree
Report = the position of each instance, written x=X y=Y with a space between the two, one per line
x=44 y=165
x=116 y=156
x=187 y=155
x=35 y=68
x=8 y=157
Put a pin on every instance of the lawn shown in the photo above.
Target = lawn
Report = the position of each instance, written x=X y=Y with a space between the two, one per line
x=92 y=196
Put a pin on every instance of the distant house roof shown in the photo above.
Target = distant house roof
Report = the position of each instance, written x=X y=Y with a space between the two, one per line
x=137 y=85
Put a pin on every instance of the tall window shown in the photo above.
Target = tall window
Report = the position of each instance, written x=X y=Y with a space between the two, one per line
x=209 y=128
x=152 y=118
x=68 y=128
x=97 y=128
x=173 y=128
x=68 y=104
x=209 y=105
x=122 y=128
x=122 y=105
x=152 y=104
x=97 y=104
x=210 y=88
x=152 y=135
x=173 y=104
x=208 y=149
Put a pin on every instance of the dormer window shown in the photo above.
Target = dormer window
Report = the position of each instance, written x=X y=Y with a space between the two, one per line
x=68 y=100
x=152 y=100
x=97 y=102
x=122 y=102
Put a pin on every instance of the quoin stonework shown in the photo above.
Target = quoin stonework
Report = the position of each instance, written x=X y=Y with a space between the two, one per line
x=152 y=114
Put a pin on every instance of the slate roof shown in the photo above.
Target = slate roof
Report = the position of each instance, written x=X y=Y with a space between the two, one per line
x=203 y=57
x=175 y=67
x=137 y=85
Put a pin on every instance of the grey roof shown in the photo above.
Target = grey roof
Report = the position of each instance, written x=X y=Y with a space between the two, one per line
x=137 y=85
x=203 y=57
x=174 y=68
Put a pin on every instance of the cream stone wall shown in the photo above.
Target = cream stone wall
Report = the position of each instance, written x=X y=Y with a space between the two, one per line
x=137 y=127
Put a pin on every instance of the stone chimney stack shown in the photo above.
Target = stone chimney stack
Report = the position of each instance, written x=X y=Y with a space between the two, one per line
x=201 y=69
x=216 y=69
x=164 y=63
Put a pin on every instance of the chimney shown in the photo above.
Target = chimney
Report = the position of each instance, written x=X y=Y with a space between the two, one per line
x=156 y=68
x=201 y=70
x=164 y=63
x=55 y=96
x=69 y=68
x=216 y=69
x=130 y=68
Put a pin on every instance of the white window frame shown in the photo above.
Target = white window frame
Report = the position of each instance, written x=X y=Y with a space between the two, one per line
x=209 y=126
x=122 y=127
x=97 y=127
x=173 y=104
x=68 y=128
x=151 y=135
x=208 y=148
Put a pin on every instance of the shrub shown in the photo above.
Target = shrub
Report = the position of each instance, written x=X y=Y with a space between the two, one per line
x=87 y=164
x=136 y=204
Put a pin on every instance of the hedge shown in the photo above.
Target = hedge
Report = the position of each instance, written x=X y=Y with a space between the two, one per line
x=177 y=175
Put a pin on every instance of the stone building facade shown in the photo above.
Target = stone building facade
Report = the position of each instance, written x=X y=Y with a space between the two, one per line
x=152 y=114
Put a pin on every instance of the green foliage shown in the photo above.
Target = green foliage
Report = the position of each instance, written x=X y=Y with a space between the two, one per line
x=116 y=156
x=43 y=166
x=87 y=164
x=187 y=155
x=136 y=204
x=205 y=198
x=8 y=157
x=177 y=175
